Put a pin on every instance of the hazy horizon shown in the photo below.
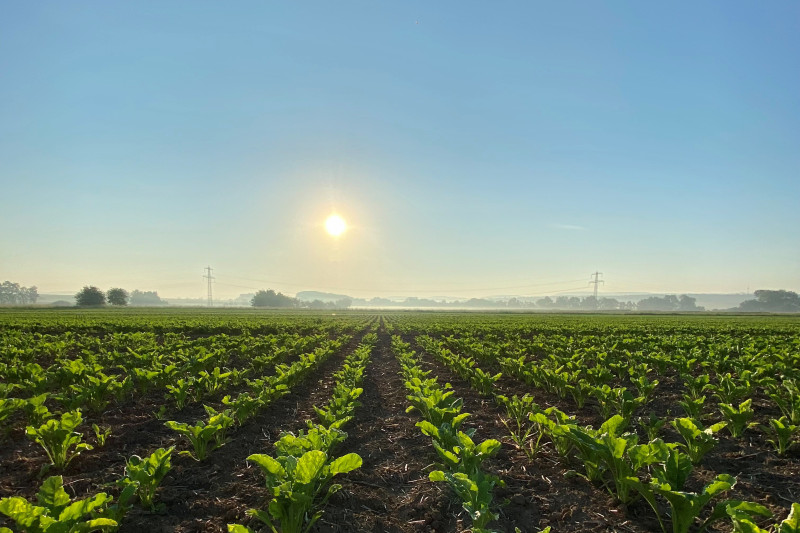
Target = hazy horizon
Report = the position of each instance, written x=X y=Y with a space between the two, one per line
x=471 y=148
x=232 y=292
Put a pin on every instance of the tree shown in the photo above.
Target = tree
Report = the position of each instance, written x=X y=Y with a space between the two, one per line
x=270 y=298
x=30 y=295
x=608 y=303
x=656 y=303
x=343 y=303
x=773 y=301
x=318 y=304
x=14 y=294
x=117 y=296
x=90 y=296
x=146 y=298
x=687 y=303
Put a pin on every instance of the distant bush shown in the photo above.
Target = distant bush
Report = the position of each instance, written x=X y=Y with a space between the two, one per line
x=146 y=298
x=270 y=298
x=117 y=296
x=90 y=296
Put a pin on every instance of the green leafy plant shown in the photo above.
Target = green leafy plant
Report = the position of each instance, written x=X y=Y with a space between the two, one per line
x=56 y=513
x=698 y=440
x=462 y=459
x=94 y=391
x=675 y=469
x=787 y=398
x=737 y=417
x=555 y=424
x=435 y=403
x=792 y=523
x=730 y=390
x=696 y=386
x=609 y=450
x=101 y=434
x=213 y=381
x=59 y=439
x=475 y=493
x=36 y=410
x=341 y=405
x=146 y=474
x=315 y=437
x=7 y=407
x=221 y=420
x=685 y=506
x=295 y=483
x=117 y=510
x=617 y=401
x=180 y=392
x=243 y=407
x=644 y=386
x=484 y=382
x=161 y=413
x=670 y=474
x=519 y=424
x=580 y=391
x=781 y=431
x=692 y=406
x=652 y=425
x=741 y=514
x=203 y=436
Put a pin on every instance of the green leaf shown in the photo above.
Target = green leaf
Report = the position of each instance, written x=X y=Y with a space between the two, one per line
x=488 y=447
x=20 y=510
x=71 y=419
x=613 y=426
x=437 y=475
x=750 y=508
x=792 y=522
x=676 y=469
x=309 y=466
x=238 y=528
x=127 y=494
x=717 y=427
x=428 y=429
x=102 y=524
x=460 y=418
x=721 y=483
x=52 y=494
x=268 y=464
x=78 y=509
x=345 y=463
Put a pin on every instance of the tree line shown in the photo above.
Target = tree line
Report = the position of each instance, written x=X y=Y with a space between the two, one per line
x=270 y=298
x=772 y=301
x=91 y=296
x=15 y=294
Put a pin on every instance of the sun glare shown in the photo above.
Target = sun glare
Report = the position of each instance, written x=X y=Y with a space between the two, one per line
x=335 y=225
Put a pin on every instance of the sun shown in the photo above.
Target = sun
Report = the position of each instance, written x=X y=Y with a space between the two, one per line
x=335 y=225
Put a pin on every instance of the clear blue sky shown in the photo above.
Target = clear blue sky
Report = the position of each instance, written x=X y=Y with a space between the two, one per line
x=471 y=146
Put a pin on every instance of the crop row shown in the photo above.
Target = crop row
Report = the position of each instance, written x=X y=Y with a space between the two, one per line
x=611 y=454
x=98 y=512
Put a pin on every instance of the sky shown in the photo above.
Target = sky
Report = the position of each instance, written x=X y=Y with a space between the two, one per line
x=474 y=148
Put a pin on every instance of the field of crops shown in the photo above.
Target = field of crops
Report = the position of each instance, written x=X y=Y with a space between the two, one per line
x=193 y=420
